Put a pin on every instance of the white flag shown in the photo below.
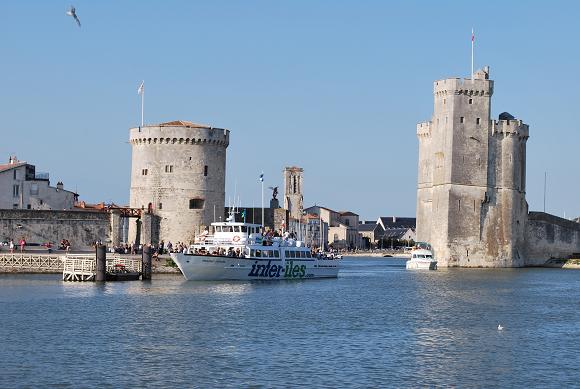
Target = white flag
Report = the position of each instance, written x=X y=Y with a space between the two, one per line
x=141 y=88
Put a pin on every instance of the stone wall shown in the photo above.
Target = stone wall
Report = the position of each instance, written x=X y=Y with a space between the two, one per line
x=81 y=228
x=548 y=236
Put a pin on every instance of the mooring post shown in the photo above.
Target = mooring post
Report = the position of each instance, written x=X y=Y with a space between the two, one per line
x=101 y=266
x=146 y=263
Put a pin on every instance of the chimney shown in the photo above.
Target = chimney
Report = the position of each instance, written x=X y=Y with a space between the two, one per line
x=59 y=186
x=394 y=219
x=12 y=160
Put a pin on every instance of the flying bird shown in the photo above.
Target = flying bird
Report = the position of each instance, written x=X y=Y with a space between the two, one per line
x=72 y=12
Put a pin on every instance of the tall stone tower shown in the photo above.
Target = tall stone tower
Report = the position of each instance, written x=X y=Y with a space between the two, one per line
x=471 y=202
x=178 y=174
x=293 y=197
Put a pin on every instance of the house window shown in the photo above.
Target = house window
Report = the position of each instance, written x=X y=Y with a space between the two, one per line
x=477 y=121
x=196 y=204
x=34 y=189
x=28 y=206
x=14 y=206
x=41 y=202
x=470 y=101
x=461 y=119
x=15 y=174
x=15 y=190
x=144 y=172
x=168 y=168
x=205 y=170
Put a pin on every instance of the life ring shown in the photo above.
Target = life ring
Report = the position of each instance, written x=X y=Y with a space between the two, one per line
x=236 y=238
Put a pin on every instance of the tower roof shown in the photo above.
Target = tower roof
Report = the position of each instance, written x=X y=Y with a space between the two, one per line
x=183 y=123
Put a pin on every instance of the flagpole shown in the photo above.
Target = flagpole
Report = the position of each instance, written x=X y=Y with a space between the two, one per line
x=472 y=44
x=263 y=227
x=142 y=104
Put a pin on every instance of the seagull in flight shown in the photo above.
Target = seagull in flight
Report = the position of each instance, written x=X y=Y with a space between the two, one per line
x=72 y=12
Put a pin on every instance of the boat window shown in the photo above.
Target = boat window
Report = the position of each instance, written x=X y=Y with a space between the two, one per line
x=308 y=255
x=227 y=229
x=218 y=229
x=429 y=256
x=244 y=228
x=252 y=253
x=287 y=254
x=292 y=254
x=276 y=254
x=258 y=253
x=267 y=254
x=302 y=254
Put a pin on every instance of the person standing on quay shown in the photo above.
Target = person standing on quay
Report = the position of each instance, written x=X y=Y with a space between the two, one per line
x=22 y=244
x=11 y=246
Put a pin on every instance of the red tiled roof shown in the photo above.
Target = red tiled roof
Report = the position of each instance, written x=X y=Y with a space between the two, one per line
x=9 y=166
x=183 y=123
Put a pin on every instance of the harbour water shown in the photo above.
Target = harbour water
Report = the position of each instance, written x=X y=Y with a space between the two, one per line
x=377 y=325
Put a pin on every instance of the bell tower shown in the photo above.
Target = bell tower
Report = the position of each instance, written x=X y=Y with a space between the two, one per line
x=293 y=197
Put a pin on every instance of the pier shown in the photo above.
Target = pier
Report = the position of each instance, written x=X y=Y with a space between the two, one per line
x=74 y=267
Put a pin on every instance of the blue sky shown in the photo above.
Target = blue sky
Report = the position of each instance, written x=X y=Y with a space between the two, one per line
x=336 y=87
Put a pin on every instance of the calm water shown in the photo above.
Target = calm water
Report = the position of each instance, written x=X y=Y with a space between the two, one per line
x=377 y=325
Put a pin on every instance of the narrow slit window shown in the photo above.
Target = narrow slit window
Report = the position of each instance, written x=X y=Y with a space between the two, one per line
x=461 y=118
x=470 y=101
x=477 y=121
x=205 y=171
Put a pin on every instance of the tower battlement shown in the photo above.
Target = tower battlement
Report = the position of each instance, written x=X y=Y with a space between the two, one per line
x=480 y=85
x=510 y=127
x=424 y=129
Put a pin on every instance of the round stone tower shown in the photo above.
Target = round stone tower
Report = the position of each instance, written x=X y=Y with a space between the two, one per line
x=178 y=174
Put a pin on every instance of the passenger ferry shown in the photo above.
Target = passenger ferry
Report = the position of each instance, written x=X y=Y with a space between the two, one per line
x=239 y=251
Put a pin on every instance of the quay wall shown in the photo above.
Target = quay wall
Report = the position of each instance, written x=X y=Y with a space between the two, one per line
x=80 y=228
x=549 y=237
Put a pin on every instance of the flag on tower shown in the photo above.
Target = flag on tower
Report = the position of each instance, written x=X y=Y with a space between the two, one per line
x=141 y=88
x=472 y=35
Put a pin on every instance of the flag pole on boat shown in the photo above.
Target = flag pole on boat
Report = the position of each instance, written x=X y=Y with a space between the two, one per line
x=262 y=182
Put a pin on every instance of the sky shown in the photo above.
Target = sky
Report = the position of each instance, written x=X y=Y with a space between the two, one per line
x=336 y=87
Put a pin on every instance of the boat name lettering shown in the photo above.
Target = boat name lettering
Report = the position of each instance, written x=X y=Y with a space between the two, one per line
x=273 y=271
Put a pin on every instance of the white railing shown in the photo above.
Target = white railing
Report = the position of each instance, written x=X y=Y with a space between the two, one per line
x=31 y=262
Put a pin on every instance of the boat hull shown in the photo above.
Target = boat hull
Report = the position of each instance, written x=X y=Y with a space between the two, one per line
x=214 y=268
x=413 y=264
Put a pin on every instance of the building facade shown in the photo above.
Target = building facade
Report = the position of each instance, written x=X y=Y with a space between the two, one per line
x=23 y=188
x=178 y=172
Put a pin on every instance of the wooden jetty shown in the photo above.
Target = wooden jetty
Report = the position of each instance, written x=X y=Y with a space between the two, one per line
x=82 y=267
x=74 y=267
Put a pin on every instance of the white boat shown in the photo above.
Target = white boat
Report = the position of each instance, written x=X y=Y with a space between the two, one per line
x=422 y=258
x=238 y=251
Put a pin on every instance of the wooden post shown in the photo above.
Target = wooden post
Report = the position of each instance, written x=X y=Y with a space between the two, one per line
x=101 y=265
x=146 y=263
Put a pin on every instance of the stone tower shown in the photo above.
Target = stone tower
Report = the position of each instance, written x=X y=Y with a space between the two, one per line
x=178 y=174
x=471 y=202
x=293 y=198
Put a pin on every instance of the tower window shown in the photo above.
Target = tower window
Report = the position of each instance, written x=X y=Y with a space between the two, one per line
x=196 y=204
x=205 y=171
x=160 y=206
x=477 y=120
x=144 y=172
x=14 y=173
x=15 y=190
x=470 y=101
x=168 y=168
x=461 y=119
x=459 y=205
